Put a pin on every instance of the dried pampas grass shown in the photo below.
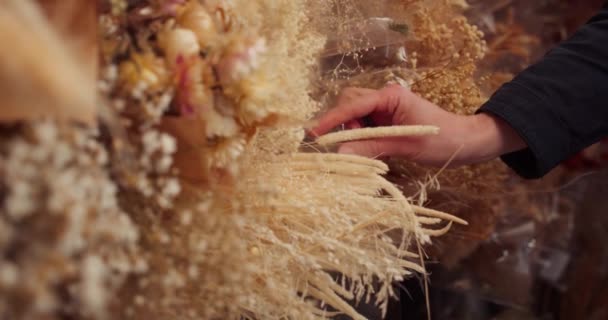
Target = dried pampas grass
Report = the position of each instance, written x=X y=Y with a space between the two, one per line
x=378 y=132
x=326 y=214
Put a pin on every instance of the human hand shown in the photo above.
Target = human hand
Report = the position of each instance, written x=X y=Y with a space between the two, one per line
x=462 y=139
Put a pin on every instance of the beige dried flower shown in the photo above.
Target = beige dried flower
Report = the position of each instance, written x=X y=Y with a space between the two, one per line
x=179 y=44
x=197 y=19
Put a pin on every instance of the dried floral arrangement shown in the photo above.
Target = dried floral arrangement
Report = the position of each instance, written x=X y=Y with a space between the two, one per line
x=175 y=187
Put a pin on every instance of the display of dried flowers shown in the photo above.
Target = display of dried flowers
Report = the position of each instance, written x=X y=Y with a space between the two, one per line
x=182 y=192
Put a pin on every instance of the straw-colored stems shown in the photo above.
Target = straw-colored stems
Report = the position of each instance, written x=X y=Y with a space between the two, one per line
x=332 y=299
x=361 y=225
x=336 y=168
x=428 y=220
x=401 y=253
x=411 y=266
x=371 y=221
x=329 y=284
x=438 y=232
x=337 y=157
x=438 y=214
x=324 y=314
x=396 y=194
x=377 y=132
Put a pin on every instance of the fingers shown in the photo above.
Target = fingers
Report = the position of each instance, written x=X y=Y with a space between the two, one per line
x=353 y=124
x=371 y=148
x=356 y=103
x=359 y=103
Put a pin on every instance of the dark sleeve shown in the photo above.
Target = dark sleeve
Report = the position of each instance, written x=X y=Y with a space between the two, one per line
x=559 y=105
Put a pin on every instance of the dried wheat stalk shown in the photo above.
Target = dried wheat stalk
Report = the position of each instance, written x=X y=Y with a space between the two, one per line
x=377 y=132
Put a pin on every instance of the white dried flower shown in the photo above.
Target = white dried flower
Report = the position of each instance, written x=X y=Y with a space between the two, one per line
x=193 y=271
x=174 y=279
x=139 y=300
x=168 y=145
x=9 y=275
x=150 y=141
x=164 y=101
x=164 y=164
x=242 y=62
x=19 y=202
x=94 y=294
x=197 y=19
x=218 y=125
x=164 y=238
x=138 y=91
x=62 y=154
x=46 y=132
x=141 y=266
x=178 y=43
x=110 y=73
x=186 y=217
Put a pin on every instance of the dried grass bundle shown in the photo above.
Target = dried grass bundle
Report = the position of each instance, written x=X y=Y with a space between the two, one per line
x=364 y=229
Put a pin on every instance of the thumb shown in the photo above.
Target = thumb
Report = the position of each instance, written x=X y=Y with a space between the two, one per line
x=371 y=149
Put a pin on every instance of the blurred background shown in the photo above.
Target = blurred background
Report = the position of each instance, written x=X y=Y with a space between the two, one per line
x=546 y=256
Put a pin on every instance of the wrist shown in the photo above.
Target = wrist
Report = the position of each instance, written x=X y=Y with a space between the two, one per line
x=493 y=137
